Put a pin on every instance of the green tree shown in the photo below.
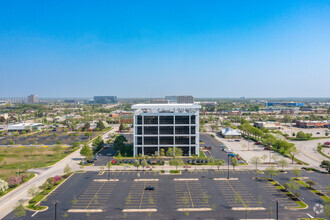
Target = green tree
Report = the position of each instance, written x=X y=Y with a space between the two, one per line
x=119 y=142
x=219 y=163
x=121 y=127
x=176 y=162
x=19 y=211
x=144 y=163
x=100 y=125
x=33 y=191
x=292 y=186
x=296 y=171
x=256 y=161
x=326 y=165
x=234 y=162
x=75 y=145
x=283 y=163
x=271 y=171
x=85 y=150
x=3 y=186
x=137 y=164
x=310 y=183
x=292 y=151
x=67 y=169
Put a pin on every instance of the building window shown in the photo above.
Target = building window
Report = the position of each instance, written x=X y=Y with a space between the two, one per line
x=150 y=130
x=181 y=119
x=193 y=119
x=193 y=130
x=150 y=150
x=166 y=119
x=182 y=130
x=139 y=140
x=151 y=120
x=166 y=140
x=150 y=140
x=193 y=150
x=139 y=130
x=182 y=140
x=193 y=140
x=166 y=130
x=139 y=120
x=139 y=150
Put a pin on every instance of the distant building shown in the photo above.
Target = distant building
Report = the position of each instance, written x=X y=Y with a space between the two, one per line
x=185 y=99
x=235 y=113
x=287 y=104
x=23 y=127
x=288 y=111
x=230 y=133
x=206 y=103
x=313 y=124
x=32 y=99
x=172 y=99
x=269 y=125
x=159 y=101
x=71 y=101
x=105 y=99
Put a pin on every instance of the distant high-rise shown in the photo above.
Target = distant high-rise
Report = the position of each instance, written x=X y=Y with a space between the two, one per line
x=186 y=99
x=32 y=99
x=105 y=99
x=171 y=99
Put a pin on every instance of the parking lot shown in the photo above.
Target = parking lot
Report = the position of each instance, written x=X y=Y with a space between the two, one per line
x=194 y=195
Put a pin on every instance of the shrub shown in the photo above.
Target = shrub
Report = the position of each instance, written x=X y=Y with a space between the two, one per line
x=57 y=179
x=24 y=177
x=14 y=181
x=3 y=185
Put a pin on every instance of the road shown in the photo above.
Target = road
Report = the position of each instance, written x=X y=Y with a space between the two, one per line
x=9 y=201
x=308 y=151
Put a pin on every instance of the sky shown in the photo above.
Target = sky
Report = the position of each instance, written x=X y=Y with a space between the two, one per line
x=156 y=48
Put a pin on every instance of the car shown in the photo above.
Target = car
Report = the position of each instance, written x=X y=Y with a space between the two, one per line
x=106 y=147
x=237 y=140
x=109 y=154
x=149 y=161
x=267 y=148
x=222 y=146
x=150 y=188
x=230 y=140
x=231 y=154
x=188 y=161
x=257 y=143
x=198 y=161
x=113 y=161
x=193 y=161
x=317 y=132
x=90 y=161
x=240 y=162
x=96 y=156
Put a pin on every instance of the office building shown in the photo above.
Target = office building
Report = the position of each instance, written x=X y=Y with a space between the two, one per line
x=185 y=99
x=32 y=99
x=171 y=99
x=105 y=99
x=287 y=104
x=161 y=126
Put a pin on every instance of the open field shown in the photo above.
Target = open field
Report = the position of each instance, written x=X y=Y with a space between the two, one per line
x=13 y=159
x=47 y=138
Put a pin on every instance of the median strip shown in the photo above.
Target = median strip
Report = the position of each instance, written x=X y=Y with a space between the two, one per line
x=189 y=179
x=142 y=180
x=106 y=180
x=225 y=179
x=247 y=208
x=194 y=209
x=139 y=210
x=84 y=210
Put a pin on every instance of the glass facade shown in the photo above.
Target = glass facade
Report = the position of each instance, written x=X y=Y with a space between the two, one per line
x=166 y=120
x=166 y=130
x=181 y=120
x=182 y=130
x=193 y=130
x=150 y=130
x=139 y=130
x=182 y=140
x=150 y=140
x=151 y=120
x=167 y=140
x=139 y=120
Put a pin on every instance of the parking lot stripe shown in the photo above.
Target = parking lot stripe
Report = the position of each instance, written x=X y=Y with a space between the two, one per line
x=145 y=182
x=95 y=194
x=192 y=204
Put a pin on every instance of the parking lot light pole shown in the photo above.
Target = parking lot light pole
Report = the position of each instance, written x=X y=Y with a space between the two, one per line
x=108 y=165
x=228 y=167
x=55 y=209
x=276 y=210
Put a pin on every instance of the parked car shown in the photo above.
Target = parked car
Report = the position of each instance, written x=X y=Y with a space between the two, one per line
x=113 y=161
x=208 y=147
x=189 y=161
x=257 y=143
x=237 y=140
x=150 y=188
x=90 y=161
x=240 y=162
x=231 y=154
x=317 y=132
x=96 y=156
x=267 y=148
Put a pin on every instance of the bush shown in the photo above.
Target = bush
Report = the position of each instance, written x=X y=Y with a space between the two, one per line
x=24 y=177
x=14 y=181
x=57 y=179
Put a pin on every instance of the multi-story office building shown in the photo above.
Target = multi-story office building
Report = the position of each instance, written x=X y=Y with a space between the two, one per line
x=105 y=99
x=32 y=99
x=161 y=126
x=186 y=99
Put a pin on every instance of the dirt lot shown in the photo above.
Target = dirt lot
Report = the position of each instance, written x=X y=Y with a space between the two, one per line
x=314 y=131
x=47 y=138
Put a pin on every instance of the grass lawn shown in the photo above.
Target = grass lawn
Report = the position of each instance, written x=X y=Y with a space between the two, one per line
x=14 y=158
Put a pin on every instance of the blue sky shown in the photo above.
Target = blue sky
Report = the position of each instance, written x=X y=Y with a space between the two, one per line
x=157 y=48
